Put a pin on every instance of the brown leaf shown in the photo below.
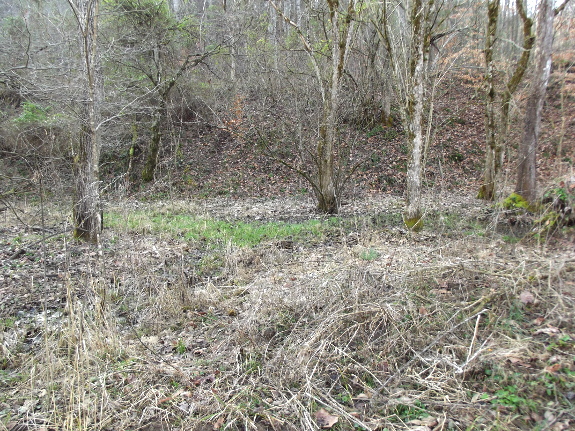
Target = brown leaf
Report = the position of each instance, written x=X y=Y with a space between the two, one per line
x=324 y=419
x=527 y=297
x=518 y=361
x=553 y=368
x=200 y=380
x=539 y=321
x=218 y=424
x=550 y=330
x=423 y=311
x=428 y=421
x=440 y=291
x=549 y=416
x=561 y=426
x=362 y=397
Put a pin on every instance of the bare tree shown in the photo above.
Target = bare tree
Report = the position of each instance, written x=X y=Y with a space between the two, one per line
x=499 y=95
x=87 y=207
x=339 y=28
x=154 y=50
x=406 y=30
x=527 y=169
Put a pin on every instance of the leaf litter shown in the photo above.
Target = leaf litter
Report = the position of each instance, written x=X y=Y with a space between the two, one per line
x=427 y=327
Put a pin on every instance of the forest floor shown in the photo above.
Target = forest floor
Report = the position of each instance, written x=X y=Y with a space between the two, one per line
x=247 y=310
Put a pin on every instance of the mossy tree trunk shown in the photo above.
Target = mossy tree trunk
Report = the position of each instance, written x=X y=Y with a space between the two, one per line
x=163 y=86
x=408 y=50
x=155 y=142
x=493 y=151
x=340 y=31
x=162 y=46
x=87 y=214
x=420 y=13
x=341 y=25
x=498 y=102
x=326 y=195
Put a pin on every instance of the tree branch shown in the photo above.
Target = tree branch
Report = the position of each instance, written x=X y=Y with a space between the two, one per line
x=560 y=8
x=308 y=48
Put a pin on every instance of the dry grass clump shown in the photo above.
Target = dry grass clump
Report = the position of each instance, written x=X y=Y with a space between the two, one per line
x=374 y=327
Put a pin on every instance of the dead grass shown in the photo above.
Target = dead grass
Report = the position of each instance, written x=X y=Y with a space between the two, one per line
x=382 y=328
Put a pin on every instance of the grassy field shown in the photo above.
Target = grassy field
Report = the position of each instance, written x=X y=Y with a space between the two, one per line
x=261 y=315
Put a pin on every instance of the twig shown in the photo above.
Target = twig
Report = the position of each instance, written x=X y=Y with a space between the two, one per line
x=474 y=338
x=155 y=354
x=429 y=346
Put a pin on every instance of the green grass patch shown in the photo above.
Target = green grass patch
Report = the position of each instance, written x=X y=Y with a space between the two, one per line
x=7 y=323
x=240 y=233
x=369 y=254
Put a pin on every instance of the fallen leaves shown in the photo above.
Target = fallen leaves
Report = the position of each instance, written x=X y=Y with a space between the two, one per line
x=550 y=330
x=553 y=368
x=423 y=424
x=201 y=380
x=324 y=419
x=539 y=321
x=527 y=297
x=518 y=361
x=219 y=423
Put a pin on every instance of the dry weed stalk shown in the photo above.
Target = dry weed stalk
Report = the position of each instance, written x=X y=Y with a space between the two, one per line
x=279 y=334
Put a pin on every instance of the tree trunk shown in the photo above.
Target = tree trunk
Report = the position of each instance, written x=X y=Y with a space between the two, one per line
x=341 y=24
x=412 y=216
x=327 y=199
x=386 y=97
x=492 y=150
x=527 y=170
x=341 y=32
x=326 y=193
x=87 y=207
x=497 y=104
x=155 y=142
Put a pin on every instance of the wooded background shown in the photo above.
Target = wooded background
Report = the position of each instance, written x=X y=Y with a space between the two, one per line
x=108 y=95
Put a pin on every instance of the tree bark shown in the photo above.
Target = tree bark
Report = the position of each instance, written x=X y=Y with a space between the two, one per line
x=408 y=50
x=412 y=216
x=340 y=39
x=155 y=142
x=527 y=169
x=497 y=104
x=493 y=152
x=341 y=25
x=87 y=207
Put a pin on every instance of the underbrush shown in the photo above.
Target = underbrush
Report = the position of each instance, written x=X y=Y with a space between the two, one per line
x=551 y=216
x=195 y=322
